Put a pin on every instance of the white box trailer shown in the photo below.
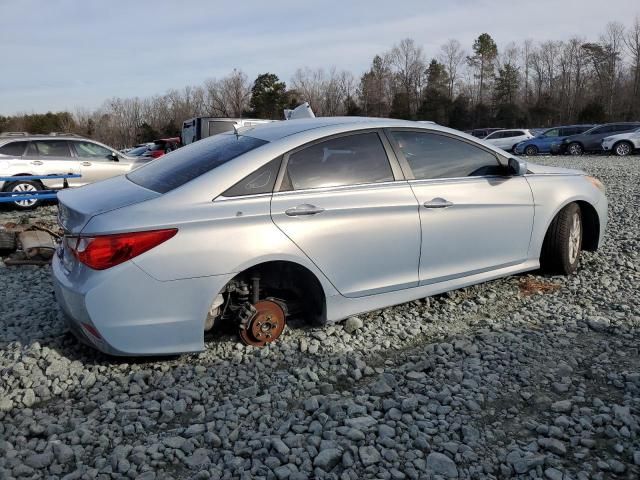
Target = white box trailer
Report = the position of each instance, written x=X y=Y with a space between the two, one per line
x=198 y=128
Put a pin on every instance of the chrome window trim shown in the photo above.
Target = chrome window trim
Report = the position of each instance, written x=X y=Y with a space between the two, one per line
x=339 y=188
x=221 y=198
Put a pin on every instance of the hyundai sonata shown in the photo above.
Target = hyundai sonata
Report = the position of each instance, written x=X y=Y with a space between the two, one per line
x=316 y=219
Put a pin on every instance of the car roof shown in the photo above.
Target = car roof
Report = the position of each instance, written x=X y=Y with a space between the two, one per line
x=276 y=130
x=36 y=136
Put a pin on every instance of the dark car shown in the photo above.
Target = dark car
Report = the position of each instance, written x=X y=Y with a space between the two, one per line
x=543 y=140
x=591 y=140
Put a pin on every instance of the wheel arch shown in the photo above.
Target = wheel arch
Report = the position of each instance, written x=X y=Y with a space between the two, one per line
x=7 y=183
x=590 y=223
x=291 y=275
x=624 y=140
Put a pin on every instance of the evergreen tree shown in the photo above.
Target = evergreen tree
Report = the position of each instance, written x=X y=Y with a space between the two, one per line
x=268 y=97
x=484 y=56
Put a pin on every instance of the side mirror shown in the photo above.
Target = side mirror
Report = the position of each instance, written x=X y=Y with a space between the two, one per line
x=114 y=157
x=517 y=166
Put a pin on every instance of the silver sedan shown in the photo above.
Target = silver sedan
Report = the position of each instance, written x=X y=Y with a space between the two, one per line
x=315 y=219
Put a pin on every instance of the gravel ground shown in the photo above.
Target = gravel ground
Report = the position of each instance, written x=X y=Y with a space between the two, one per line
x=526 y=377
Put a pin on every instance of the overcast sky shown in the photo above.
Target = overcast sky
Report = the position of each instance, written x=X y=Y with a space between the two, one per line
x=63 y=54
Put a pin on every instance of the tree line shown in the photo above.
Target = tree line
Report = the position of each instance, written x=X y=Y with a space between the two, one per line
x=526 y=84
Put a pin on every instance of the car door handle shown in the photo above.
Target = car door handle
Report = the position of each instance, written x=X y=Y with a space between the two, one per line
x=305 y=209
x=36 y=162
x=437 y=203
x=86 y=164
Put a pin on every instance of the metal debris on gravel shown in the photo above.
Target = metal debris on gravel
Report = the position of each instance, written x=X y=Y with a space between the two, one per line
x=481 y=383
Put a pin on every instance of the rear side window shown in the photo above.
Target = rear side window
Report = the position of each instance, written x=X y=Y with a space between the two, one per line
x=13 y=149
x=582 y=129
x=50 y=148
x=349 y=160
x=438 y=156
x=183 y=165
x=260 y=181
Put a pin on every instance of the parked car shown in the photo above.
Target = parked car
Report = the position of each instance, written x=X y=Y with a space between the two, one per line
x=159 y=147
x=482 y=132
x=623 y=143
x=542 y=142
x=508 y=139
x=56 y=154
x=319 y=219
x=591 y=140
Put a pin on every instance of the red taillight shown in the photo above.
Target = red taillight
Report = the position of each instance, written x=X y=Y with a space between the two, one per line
x=106 y=251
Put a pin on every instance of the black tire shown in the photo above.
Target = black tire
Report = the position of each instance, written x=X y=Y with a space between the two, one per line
x=531 y=150
x=24 y=186
x=622 y=149
x=574 y=148
x=562 y=243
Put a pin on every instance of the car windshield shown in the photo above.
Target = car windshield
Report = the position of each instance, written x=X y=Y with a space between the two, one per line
x=183 y=165
x=137 y=151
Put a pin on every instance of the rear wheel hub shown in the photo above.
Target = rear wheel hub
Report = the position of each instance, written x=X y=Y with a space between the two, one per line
x=266 y=325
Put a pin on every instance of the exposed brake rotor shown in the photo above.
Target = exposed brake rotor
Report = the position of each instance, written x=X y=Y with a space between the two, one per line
x=266 y=325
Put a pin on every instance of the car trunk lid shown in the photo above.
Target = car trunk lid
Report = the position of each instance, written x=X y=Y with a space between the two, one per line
x=78 y=205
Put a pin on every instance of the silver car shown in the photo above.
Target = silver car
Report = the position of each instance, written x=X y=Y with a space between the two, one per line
x=316 y=219
x=40 y=155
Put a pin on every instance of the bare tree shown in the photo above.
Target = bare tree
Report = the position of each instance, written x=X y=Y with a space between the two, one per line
x=632 y=43
x=452 y=56
x=408 y=63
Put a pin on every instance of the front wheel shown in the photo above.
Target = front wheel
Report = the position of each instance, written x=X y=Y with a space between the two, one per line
x=531 y=150
x=622 y=149
x=23 y=187
x=575 y=149
x=563 y=242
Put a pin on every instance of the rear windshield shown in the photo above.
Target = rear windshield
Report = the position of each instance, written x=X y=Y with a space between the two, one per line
x=181 y=166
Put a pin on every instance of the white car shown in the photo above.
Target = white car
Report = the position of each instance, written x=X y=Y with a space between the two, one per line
x=508 y=139
x=622 y=144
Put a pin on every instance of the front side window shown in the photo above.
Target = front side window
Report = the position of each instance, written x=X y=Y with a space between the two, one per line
x=13 y=149
x=495 y=135
x=350 y=160
x=552 y=133
x=183 y=165
x=431 y=155
x=92 y=150
x=570 y=131
x=50 y=148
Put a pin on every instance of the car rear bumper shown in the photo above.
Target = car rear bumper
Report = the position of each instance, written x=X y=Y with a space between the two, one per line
x=124 y=311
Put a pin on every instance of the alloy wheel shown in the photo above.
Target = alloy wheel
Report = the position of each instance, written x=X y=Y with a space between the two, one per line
x=623 y=149
x=575 y=236
x=25 y=188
